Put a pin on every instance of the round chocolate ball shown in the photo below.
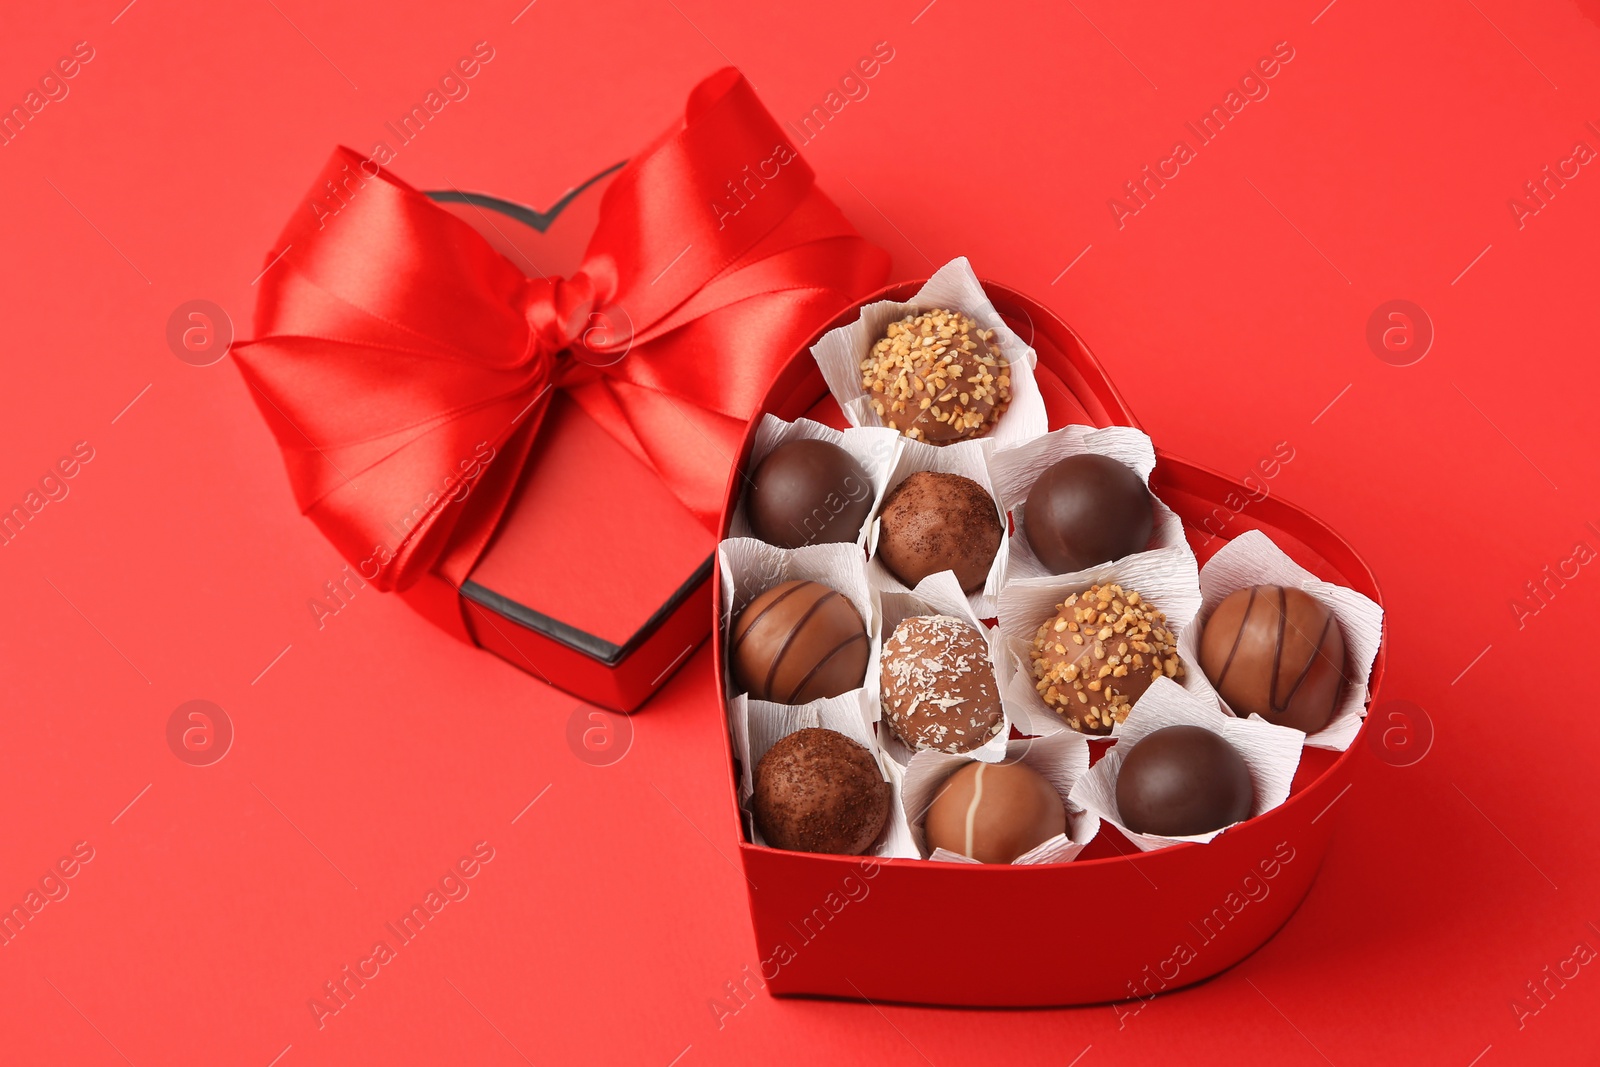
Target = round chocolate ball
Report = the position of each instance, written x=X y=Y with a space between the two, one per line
x=995 y=812
x=1086 y=510
x=1098 y=654
x=799 y=642
x=1277 y=653
x=1183 y=780
x=808 y=492
x=936 y=376
x=935 y=522
x=938 y=685
x=818 y=791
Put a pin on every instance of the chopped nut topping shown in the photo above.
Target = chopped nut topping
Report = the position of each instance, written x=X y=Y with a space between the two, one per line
x=916 y=361
x=1087 y=669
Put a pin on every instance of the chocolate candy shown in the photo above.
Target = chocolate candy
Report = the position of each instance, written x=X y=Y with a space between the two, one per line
x=995 y=812
x=818 y=791
x=1183 y=780
x=1098 y=654
x=799 y=642
x=1086 y=510
x=937 y=377
x=808 y=492
x=1277 y=653
x=938 y=685
x=935 y=522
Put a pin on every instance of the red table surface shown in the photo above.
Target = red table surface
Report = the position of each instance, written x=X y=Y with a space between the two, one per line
x=372 y=754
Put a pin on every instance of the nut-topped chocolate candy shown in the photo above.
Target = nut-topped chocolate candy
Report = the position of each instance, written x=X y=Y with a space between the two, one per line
x=935 y=522
x=994 y=812
x=1099 y=653
x=1277 y=653
x=798 y=642
x=936 y=376
x=808 y=492
x=1086 y=510
x=1183 y=780
x=818 y=791
x=938 y=685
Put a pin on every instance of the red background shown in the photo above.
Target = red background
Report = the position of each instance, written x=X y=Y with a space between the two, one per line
x=374 y=752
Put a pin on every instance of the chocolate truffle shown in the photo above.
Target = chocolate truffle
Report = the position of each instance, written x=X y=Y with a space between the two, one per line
x=1183 y=780
x=799 y=642
x=1087 y=510
x=995 y=812
x=1098 y=654
x=808 y=492
x=937 y=377
x=818 y=791
x=935 y=522
x=1277 y=653
x=939 y=689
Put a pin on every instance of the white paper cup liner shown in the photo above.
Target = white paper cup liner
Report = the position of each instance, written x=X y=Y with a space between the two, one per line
x=1166 y=579
x=876 y=448
x=937 y=594
x=1252 y=559
x=748 y=567
x=969 y=459
x=1271 y=752
x=1062 y=758
x=954 y=286
x=759 y=725
x=1014 y=470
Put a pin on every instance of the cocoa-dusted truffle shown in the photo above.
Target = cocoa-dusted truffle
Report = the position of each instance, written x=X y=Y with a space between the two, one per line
x=1183 y=780
x=808 y=492
x=818 y=791
x=935 y=522
x=1277 y=653
x=1086 y=510
x=936 y=376
x=938 y=685
x=799 y=642
x=1099 y=653
x=995 y=812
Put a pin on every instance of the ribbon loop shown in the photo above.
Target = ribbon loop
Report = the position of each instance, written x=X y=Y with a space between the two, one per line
x=404 y=365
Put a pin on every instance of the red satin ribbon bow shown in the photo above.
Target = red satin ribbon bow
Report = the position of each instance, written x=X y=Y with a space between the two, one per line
x=394 y=343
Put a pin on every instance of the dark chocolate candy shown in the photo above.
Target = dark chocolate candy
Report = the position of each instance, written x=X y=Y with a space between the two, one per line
x=994 y=812
x=798 y=642
x=818 y=791
x=1277 y=653
x=935 y=522
x=1087 y=510
x=808 y=492
x=1183 y=780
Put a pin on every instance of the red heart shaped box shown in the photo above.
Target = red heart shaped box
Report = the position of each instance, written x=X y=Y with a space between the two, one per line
x=1113 y=924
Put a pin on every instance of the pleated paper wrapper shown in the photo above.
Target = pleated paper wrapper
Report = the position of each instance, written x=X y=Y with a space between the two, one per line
x=758 y=725
x=953 y=287
x=937 y=594
x=1014 y=470
x=748 y=567
x=969 y=459
x=1166 y=579
x=1252 y=559
x=876 y=448
x=1271 y=752
x=1062 y=759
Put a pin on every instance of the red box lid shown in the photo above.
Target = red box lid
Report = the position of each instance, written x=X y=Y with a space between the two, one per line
x=594 y=555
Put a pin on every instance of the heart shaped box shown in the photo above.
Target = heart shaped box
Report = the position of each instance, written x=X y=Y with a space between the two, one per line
x=1114 y=924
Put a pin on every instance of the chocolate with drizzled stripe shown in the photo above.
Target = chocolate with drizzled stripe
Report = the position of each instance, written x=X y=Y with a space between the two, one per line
x=1275 y=652
x=798 y=642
